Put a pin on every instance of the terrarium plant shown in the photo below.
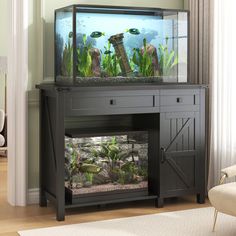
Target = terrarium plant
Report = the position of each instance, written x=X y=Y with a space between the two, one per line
x=110 y=62
x=122 y=167
x=143 y=60
x=112 y=153
x=71 y=163
x=89 y=170
x=167 y=59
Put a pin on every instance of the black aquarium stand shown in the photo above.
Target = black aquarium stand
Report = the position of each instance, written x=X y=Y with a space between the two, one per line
x=172 y=114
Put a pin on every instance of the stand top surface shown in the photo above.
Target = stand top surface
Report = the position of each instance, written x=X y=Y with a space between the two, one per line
x=114 y=87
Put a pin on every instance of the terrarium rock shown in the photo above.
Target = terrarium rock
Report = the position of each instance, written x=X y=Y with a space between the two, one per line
x=96 y=61
x=110 y=187
x=102 y=177
x=152 y=51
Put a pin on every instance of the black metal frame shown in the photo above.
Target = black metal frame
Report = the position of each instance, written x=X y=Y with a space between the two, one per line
x=110 y=10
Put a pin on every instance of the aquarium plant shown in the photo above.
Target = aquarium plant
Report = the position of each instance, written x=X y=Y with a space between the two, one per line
x=110 y=62
x=143 y=60
x=67 y=58
x=167 y=59
x=84 y=58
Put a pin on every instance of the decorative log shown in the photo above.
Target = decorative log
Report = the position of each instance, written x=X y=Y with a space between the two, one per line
x=117 y=42
x=152 y=51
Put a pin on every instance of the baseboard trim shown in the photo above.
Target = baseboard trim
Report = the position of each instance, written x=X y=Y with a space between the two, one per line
x=33 y=196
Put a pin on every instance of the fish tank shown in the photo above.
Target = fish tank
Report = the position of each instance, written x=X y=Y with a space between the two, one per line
x=102 y=165
x=104 y=44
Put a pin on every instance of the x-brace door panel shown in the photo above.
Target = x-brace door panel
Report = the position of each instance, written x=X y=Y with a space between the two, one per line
x=178 y=151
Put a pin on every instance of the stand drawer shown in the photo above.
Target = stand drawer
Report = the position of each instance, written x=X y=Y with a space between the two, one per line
x=108 y=104
x=184 y=100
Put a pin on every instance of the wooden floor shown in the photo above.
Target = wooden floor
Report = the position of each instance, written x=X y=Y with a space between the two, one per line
x=13 y=219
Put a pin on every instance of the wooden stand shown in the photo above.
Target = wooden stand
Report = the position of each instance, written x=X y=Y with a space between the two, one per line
x=173 y=115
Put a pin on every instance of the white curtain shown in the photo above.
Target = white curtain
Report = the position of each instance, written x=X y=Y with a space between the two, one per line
x=223 y=89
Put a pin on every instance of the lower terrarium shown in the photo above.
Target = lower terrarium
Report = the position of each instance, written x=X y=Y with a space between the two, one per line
x=106 y=164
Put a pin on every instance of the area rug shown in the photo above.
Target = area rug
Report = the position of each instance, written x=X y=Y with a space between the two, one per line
x=196 y=222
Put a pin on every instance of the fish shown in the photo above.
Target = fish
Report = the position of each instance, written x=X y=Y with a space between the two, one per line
x=107 y=52
x=71 y=35
x=133 y=31
x=96 y=34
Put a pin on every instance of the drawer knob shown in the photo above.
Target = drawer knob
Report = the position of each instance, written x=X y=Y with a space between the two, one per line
x=179 y=100
x=112 y=102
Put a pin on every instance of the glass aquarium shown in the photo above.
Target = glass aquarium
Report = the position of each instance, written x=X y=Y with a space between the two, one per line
x=109 y=44
x=106 y=164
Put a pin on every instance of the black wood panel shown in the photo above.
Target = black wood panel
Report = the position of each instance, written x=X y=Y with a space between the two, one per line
x=173 y=115
x=178 y=152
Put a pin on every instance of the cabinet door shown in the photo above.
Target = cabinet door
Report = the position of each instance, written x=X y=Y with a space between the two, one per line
x=179 y=145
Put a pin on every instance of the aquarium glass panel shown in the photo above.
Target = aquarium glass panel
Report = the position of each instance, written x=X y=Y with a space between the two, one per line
x=122 y=46
x=104 y=164
x=64 y=46
x=182 y=47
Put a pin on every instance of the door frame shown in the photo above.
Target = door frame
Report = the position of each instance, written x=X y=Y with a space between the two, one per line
x=17 y=82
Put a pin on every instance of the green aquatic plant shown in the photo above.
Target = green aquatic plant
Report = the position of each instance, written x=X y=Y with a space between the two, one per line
x=167 y=59
x=67 y=60
x=143 y=60
x=84 y=59
x=110 y=62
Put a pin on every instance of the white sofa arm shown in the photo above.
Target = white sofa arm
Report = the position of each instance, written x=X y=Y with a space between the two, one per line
x=2 y=141
x=229 y=171
x=2 y=120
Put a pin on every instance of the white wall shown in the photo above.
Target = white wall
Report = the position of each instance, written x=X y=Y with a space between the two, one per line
x=34 y=60
x=35 y=68
x=186 y=4
x=3 y=27
x=2 y=92
x=3 y=45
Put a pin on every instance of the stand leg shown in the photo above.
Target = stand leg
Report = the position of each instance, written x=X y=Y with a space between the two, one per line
x=43 y=199
x=159 y=202
x=60 y=213
x=60 y=157
x=201 y=198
